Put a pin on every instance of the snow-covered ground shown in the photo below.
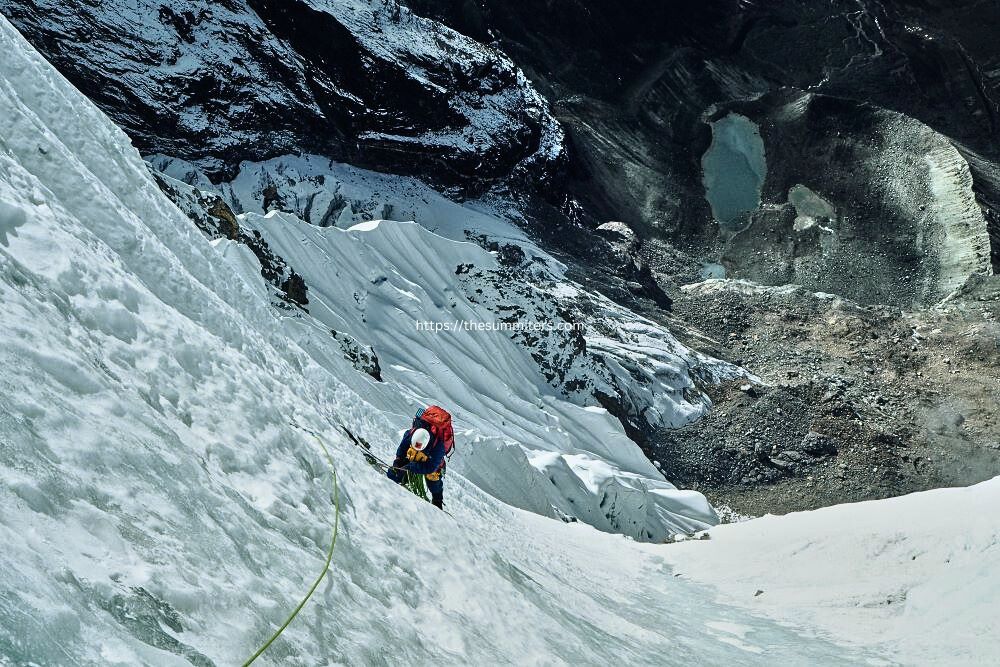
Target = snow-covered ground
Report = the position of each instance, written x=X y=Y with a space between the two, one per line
x=917 y=576
x=326 y=193
x=161 y=504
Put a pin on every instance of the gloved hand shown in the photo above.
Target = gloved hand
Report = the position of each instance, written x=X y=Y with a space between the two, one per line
x=415 y=456
x=434 y=476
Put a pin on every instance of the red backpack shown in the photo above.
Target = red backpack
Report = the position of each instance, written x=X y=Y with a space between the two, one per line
x=437 y=420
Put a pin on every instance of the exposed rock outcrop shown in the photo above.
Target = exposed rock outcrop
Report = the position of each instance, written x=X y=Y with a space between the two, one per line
x=362 y=81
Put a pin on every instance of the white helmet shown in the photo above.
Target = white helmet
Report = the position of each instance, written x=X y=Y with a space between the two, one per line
x=419 y=439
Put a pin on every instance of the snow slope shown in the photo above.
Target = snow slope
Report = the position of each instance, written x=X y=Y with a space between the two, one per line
x=648 y=369
x=378 y=281
x=158 y=507
x=518 y=438
x=916 y=575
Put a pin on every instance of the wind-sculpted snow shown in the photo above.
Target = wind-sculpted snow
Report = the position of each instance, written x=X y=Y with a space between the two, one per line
x=645 y=368
x=161 y=502
x=327 y=193
x=435 y=311
x=424 y=303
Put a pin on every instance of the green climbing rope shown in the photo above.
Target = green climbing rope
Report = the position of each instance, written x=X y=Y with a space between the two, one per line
x=326 y=565
x=415 y=483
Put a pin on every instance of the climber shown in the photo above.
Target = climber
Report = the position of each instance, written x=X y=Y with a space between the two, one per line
x=423 y=451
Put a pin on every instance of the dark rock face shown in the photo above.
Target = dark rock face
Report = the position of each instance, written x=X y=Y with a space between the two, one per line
x=627 y=263
x=378 y=85
x=362 y=357
x=631 y=81
x=206 y=209
x=361 y=81
x=216 y=220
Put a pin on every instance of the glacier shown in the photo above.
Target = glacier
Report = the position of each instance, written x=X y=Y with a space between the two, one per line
x=163 y=502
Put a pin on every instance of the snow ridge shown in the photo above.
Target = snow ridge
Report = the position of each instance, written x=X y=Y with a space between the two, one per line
x=383 y=280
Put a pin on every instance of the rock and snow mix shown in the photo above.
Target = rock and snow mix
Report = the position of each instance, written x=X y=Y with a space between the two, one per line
x=162 y=504
x=326 y=193
x=365 y=80
x=393 y=286
x=159 y=507
x=408 y=295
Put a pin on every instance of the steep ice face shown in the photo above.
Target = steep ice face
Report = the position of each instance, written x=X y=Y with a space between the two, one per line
x=734 y=168
x=433 y=311
x=610 y=483
x=326 y=193
x=162 y=503
x=648 y=373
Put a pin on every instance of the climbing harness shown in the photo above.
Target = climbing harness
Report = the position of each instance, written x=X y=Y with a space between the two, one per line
x=329 y=553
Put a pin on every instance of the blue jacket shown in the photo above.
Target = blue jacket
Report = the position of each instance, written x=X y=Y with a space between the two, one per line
x=434 y=452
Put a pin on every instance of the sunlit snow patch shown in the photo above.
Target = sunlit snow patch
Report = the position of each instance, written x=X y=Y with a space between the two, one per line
x=380 y=281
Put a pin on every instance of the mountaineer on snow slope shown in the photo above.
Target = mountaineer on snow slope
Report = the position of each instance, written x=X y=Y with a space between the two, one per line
x=423 y=451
